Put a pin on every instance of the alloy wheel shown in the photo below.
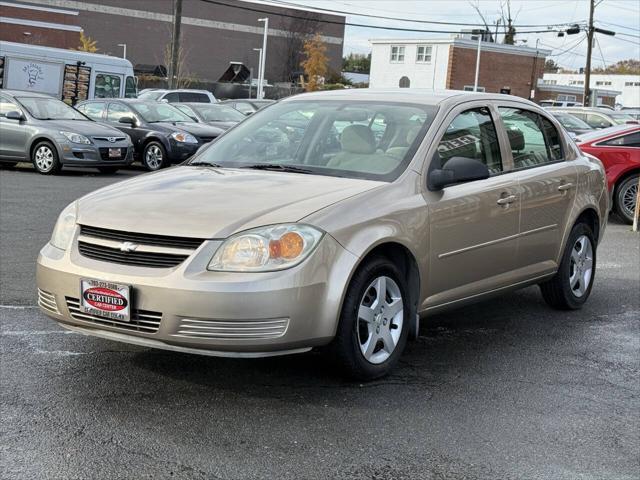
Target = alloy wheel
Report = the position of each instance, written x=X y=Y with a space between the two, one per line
x=44 y=158
x=153 y=157
x=380 y=318
x=581 y=267
x=628 y=197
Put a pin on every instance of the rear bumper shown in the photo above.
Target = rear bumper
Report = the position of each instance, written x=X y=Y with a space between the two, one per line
x=198 y=311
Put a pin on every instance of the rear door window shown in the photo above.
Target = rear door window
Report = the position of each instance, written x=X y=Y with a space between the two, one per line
x=171 y=97
x=533 y=139
x=93 y=110
x=630 y=140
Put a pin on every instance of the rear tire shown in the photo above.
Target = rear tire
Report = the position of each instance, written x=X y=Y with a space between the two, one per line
x=374 y=322
x=624 y=198
x=154 y=156
x=571 y=285
x=108 y=170
x=44 y=157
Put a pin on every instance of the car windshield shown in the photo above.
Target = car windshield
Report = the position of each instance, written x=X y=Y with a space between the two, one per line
x=219 y=113
x=50 y=109
x=160 y=112
x=371 y=140
x=569 y=121
x=150 y=95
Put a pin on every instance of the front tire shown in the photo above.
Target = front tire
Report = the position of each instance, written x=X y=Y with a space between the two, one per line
x=45 y=159
x=374 y=322
x=571 y=285
x=624 y=199
x=154 y=156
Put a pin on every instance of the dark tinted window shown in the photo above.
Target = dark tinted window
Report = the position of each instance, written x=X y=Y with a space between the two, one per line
x=92 y=110
x=130 y=90
x=630 y=140
x=472 y=134
x=193 y=97
x=171 y=97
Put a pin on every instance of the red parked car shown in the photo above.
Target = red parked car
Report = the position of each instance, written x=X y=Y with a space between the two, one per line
x=618 y=148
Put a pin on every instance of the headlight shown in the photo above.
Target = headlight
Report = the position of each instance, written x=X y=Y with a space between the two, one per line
x=184 y=137
x=266 y=249
x=76 y=138
x=63 y=231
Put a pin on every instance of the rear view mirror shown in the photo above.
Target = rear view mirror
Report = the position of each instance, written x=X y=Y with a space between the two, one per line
x=14 y=115
x=457 y=170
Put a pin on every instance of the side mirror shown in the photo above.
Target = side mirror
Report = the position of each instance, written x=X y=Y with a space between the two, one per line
x=128 y=120
x=457 y=170
x=14 y=115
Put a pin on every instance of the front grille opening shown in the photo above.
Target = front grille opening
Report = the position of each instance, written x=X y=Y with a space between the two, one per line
x=142 y=238
x=141 y=259
x=143 y=321
x=47 y=301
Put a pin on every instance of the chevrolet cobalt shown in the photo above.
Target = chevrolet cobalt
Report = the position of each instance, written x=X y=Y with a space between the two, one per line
x=377 y=209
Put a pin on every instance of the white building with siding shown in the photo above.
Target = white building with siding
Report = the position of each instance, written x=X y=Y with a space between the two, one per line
x=628 y=85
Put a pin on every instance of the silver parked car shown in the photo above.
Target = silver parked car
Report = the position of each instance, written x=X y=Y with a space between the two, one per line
x=597 y=117
x=376 y=209
x=49 y=133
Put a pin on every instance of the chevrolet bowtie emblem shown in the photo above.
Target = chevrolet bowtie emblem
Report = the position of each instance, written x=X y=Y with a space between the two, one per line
x=128 y=246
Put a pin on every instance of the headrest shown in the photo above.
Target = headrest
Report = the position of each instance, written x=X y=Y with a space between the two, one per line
x=358 y=139
x=516 y=139
x=412 y=134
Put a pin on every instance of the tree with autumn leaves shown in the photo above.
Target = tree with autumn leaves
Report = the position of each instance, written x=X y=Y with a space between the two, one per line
x=87 y=44
x=316 y=62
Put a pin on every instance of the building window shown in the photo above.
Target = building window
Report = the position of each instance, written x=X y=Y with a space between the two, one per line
x=469 y=88
x=632 y=84
x=576 y=82
x=550 y=82
x=423 y=54
x=602 y=82
x=566 y=98
x=397 y=53
x=404 y=82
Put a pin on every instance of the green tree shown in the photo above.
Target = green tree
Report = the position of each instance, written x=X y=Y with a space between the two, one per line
x=356 y=62
x=630 y=66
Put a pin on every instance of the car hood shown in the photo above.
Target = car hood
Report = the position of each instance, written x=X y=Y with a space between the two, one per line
x=87 y=128
x=204 y=202
x=197 y=129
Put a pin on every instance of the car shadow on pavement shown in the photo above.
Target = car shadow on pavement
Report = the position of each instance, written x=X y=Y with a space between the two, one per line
x=450 y=345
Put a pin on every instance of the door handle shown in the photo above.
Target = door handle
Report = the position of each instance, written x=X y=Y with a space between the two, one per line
x=565 y=186
x=506 y=200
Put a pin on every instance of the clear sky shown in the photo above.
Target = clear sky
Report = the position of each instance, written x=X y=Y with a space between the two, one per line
x=622 y=16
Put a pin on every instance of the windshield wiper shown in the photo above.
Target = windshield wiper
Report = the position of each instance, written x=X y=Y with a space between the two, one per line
x=278 y=167
x=204 y=164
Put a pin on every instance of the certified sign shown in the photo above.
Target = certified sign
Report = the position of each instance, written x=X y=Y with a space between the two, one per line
x=105 y=299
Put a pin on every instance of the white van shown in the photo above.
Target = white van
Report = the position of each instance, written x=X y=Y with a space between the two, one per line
x=69 y=75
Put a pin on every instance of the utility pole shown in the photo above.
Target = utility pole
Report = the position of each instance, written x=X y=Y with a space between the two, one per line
x=263 y=58
x=586 y=98
x=175 y=44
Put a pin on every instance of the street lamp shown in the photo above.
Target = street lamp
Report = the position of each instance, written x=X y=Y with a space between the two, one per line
x=259 y=50
x=263 y=57
x=479 y=33
x=124 y=49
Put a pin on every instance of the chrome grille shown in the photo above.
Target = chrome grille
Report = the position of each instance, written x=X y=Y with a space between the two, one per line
x=110 y=139
x=140 y=259
x=143 y=321
x=47 y=301
x=144 y=238
x=230 y=330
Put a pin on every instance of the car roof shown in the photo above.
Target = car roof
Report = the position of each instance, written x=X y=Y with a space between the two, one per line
x=200 y=104
x=584 y=109
x=26 y=93
x=168 y=90
x=421 y=96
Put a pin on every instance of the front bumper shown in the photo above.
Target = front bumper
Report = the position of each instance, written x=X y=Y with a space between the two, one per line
x=95 y=154
x=198 y=311
x=179 y=151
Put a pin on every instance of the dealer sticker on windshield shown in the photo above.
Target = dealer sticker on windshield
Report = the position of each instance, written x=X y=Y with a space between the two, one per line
x=105 y=299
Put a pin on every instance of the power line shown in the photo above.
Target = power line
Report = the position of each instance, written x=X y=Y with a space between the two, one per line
x=352 y=24
x=433 y=22
x=619 y=26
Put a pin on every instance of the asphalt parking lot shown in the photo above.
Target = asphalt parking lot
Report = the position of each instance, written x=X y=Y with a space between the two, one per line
x=504 y=389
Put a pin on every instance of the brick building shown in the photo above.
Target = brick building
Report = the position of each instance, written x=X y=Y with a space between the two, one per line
x=451 y=64
x=212 y=34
